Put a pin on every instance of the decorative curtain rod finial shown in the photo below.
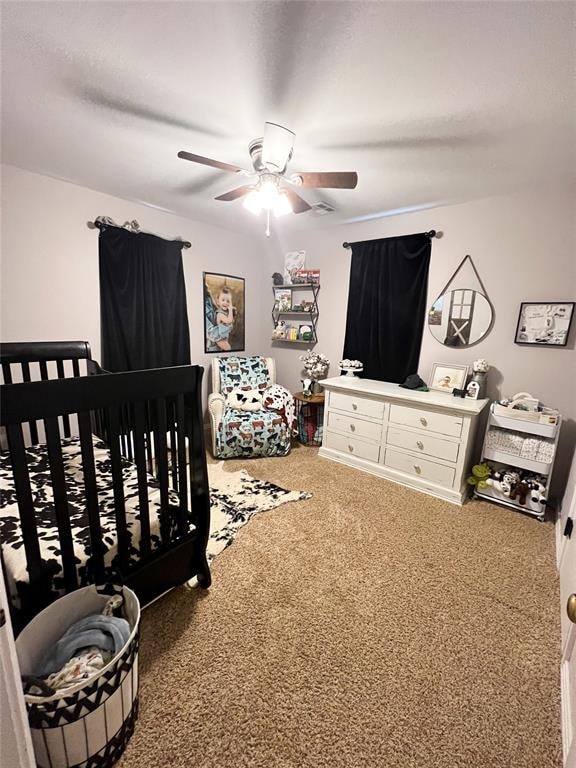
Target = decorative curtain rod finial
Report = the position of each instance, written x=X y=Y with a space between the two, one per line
x=101 y=222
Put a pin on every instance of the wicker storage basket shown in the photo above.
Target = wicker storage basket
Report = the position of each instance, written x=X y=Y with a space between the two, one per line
x=87 y=725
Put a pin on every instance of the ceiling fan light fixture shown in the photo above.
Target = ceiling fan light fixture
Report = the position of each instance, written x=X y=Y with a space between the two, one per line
x=268 y=192
x=277 y=145
x=252 y=202
x=282 y=206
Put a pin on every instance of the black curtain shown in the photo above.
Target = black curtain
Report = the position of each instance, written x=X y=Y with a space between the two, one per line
x=387 y=305
x=144 y=321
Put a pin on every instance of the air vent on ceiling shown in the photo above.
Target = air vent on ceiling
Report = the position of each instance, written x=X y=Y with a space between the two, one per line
x=321 y=209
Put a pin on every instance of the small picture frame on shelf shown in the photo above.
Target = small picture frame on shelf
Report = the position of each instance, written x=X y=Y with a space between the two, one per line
x=306 y=277
x=543 y=324
x=445 y=377
x=282 y=300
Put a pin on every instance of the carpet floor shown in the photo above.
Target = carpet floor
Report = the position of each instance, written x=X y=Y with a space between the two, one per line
x=369 y=626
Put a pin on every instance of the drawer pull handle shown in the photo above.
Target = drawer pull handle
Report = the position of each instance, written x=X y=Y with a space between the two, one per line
x=352 y=427
x=354 y=407
x=420 y=445
x=418 y=469
x=351 y=448
x=423 y=421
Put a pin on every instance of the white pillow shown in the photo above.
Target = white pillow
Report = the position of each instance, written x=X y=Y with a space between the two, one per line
x=244 y=400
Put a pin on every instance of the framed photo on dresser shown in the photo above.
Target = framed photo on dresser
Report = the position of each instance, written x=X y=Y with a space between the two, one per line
x=445 y=377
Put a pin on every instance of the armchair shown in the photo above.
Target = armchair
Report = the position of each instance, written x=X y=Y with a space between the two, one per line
x=247 y=434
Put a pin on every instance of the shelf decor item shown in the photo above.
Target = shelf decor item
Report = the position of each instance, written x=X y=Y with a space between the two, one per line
x=351 y=367
x=445 y=377
x=480 y=370
x=306 y=276
x=293 y=261
x=544 y=324
x=282 y=300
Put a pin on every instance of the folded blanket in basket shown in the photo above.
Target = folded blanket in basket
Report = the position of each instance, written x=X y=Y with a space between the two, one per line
x=82 y=667
x=105 y=632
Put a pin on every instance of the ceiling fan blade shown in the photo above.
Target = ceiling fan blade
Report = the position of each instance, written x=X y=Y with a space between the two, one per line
x=210 y=162
x=332 y=180
x=277 y=147
x=299 y=205
x=234 y=194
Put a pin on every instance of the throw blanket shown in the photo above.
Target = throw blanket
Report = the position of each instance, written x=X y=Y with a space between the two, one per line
x=266 y=432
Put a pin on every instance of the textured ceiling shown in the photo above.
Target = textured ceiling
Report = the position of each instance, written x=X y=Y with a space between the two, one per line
x=430 y=102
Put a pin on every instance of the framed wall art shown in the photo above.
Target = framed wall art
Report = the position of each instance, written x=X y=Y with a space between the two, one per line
x=445 y=377
x=224 y=318
x=544 y=324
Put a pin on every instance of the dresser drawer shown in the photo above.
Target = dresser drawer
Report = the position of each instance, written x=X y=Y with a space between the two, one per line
x=420 y=443
x=431 y=421
x=362 y=406
x=370 y=430
x=422 y=468
x=351 y=446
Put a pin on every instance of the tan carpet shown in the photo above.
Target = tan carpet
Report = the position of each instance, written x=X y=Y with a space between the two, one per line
x=369 y=626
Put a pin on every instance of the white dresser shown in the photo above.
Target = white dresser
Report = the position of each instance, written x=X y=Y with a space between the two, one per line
x=420 y=439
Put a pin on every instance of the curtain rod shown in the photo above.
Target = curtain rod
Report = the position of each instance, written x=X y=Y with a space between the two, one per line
x=101 y=222
x=430 y=234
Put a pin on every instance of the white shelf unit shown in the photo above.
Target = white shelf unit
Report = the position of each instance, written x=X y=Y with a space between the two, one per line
x=528 y=427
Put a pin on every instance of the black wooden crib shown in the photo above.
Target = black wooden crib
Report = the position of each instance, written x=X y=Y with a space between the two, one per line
x=103 y=476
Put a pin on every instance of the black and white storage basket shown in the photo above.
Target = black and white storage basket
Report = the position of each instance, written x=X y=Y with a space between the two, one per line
x=87 y=725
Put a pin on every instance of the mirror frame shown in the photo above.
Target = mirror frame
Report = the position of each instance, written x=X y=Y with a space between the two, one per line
x=447 y=291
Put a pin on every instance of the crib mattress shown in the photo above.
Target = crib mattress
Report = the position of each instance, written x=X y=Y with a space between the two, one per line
x=11 y=539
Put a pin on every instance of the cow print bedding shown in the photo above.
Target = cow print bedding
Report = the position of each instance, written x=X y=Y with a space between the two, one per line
x=41 y=486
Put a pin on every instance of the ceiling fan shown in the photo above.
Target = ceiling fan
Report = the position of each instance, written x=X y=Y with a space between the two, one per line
x=269 y=188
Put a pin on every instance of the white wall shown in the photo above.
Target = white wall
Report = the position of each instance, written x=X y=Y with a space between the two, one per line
x=49 y=262
x=524 y=250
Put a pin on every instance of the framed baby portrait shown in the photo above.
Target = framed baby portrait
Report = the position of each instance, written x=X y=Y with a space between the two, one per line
x=446 y=376
x=224 y=325
x=544 y=324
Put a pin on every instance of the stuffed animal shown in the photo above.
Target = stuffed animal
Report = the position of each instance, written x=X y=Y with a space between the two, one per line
x=277 y=278
x=280 y=331
x=520 y=492
x=244 y=400
x=511 y=478
x=537 y=490
x=480 y=475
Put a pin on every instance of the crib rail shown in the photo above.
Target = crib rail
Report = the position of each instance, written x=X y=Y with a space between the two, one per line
x=23 y=361
x=154 y=419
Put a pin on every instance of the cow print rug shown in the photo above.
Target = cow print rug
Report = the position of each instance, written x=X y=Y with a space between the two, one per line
x=235 y=498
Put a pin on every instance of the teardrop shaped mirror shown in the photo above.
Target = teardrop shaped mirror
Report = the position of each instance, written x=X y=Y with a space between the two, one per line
x=460 y=318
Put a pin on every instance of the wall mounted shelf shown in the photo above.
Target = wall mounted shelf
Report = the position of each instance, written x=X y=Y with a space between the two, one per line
x=283 y=307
